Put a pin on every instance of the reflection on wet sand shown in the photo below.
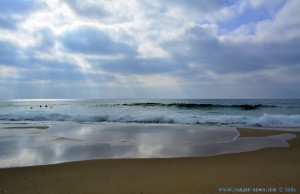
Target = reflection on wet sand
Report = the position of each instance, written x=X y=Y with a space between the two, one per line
x=62 y=143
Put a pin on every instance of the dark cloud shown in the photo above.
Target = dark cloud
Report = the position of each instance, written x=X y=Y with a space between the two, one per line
x=8 y=23
x=89 y=40
x=56 y=64
x=86 y=9
x=201 y=6
x=232 y=57
x=58 y=70
x=13 y=12
x=46 y=40
x=9 y=53
x=33 y=68
x=138 y=66
x=64 y=75
x=12 y=54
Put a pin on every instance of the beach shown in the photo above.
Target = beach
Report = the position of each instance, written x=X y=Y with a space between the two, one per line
x=272 y=169
x=149 y=97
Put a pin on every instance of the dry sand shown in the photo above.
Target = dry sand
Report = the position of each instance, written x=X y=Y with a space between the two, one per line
x=266 y=168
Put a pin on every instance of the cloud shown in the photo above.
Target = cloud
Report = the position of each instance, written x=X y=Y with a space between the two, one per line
x=138 y=66
x=255 y=4
x=10 y=23
x=90 y=40
x=8 y=72
x=202 y=49
x=19 y=65
x=284 y=27
x=9 y=53
x=45 y=40
x=209 y=53
x=88 y=9
x=200 y=6
x=13 y=12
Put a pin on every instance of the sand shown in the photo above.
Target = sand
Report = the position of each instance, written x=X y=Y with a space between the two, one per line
x=274 y=168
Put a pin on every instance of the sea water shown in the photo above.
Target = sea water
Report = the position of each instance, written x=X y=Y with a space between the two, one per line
x=35 y=132
x=236 y=113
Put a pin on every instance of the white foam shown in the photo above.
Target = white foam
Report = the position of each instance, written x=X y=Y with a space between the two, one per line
x=265 y=120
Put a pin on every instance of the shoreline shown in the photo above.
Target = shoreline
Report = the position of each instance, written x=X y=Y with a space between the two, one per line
x=265 y=168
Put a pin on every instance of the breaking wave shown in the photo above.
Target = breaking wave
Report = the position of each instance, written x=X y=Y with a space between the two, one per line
x=201 y=106
x=265 y=120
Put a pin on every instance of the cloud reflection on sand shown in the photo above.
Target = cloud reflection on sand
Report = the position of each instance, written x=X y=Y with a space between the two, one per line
x=63 y=143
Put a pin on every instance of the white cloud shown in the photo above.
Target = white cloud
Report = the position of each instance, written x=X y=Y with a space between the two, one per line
x=284 y=27
x=9 y=72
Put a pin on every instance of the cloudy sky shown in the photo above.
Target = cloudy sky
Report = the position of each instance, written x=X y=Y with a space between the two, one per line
x=149 y=49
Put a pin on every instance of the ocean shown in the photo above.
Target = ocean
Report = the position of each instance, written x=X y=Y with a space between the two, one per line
x=38 y=132
x=221 y=112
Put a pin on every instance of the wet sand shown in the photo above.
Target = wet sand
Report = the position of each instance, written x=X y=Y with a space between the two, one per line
x=275 y=168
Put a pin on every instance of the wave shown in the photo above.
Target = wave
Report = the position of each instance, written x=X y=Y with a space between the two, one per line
x=201 y=106
x=265 y=120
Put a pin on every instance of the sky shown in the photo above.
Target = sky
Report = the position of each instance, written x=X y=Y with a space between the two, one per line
x=149 y=49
